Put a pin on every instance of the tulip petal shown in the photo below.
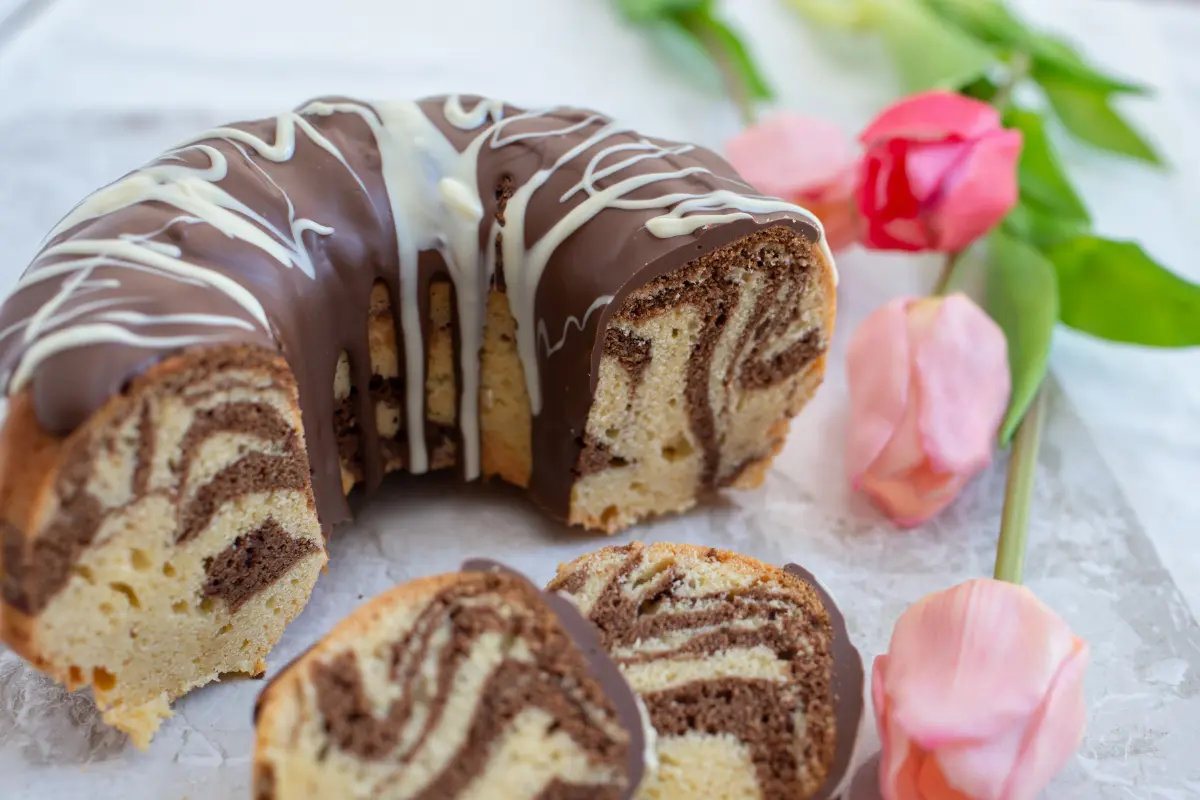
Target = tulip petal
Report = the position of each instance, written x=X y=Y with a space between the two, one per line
x=932 y=116
x=909 y=498
x=933 y=785
x=887 y=204
x=928 y=165
x=838 y=219
x=877 y=370
x=1020 y=762
x=1056 y=730
x=897 y=775
x=944 y=681
x=979 y=191
x=905 y=773
x=788 y=155
x=962 y=381
x=981 y=768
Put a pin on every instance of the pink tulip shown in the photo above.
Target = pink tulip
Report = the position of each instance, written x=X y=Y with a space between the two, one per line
x=939 y=172
x=980 y=696
x=929 y=384
x=807 y=161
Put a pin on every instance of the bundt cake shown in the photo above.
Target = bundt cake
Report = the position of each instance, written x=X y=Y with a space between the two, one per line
x=207 y=354
x=467 y=685
x=747 y=671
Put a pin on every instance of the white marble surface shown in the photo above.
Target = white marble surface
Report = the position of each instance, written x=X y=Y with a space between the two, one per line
x=90 y=89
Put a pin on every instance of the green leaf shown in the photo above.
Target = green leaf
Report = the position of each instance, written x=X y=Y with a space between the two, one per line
x=1055 y=58
x=1115 y=291
x=1089 y=115
x=929 y=52
x=1022 y=297
x=987 y=20
x=1032 y=223
x=724 y=43
x=1039 y=171
x=991 y=21
x=642 y=11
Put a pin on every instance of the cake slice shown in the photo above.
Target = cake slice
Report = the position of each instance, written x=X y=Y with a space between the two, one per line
x=468 y=685
x=746 y=669
x=177 y=535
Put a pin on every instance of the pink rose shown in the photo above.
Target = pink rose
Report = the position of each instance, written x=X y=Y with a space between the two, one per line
x=980 y=696
x=929 y=385
x=939 y=172
x=804 y=160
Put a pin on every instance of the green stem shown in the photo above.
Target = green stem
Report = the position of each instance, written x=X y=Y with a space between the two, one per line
x=1018 y=70
x=1022 y=463
x=947 y=276
x=697 y=25
x=1018 y=492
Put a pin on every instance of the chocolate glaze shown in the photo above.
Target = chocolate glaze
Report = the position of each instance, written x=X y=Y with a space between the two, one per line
x=335 y=179
x=847 y=686
x=585 y=636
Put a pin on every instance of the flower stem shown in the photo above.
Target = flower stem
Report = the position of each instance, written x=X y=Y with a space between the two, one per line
x=1018 y=70
x=1022 y=463
x=1018 y=493
x=698 y=26
x=946 y=278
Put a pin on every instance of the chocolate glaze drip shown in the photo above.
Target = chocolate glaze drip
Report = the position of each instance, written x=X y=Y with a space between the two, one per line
x=847 y=686
x=307 y=217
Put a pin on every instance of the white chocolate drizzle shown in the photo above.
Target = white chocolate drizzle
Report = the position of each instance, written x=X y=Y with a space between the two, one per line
x=435 y=204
